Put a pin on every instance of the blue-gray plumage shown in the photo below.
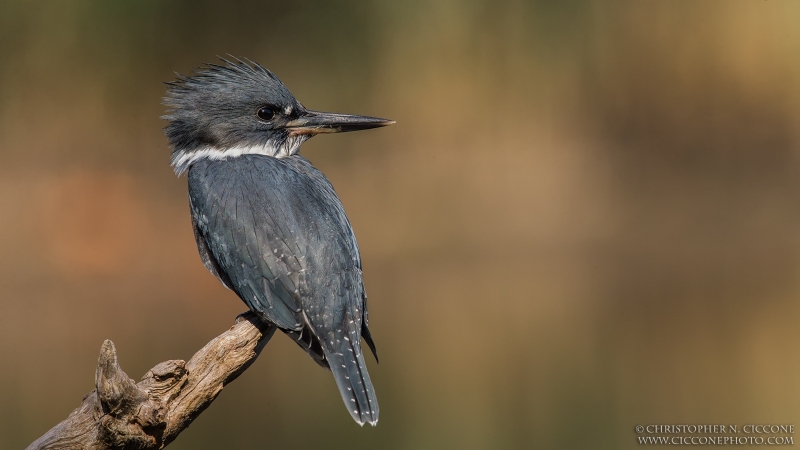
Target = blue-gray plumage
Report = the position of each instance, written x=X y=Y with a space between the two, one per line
x=267 y=223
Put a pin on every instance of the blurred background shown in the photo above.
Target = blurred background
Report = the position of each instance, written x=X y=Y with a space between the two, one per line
x=587 y=216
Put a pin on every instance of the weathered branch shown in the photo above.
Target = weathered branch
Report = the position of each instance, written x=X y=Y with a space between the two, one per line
x=121 y=414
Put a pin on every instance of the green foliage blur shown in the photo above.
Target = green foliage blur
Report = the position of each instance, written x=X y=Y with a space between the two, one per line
x=586 y=218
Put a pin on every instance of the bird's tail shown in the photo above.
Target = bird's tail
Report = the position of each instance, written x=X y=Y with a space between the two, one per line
x=350 y=373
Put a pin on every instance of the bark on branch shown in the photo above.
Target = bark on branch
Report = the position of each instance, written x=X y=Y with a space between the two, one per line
x=122 y=414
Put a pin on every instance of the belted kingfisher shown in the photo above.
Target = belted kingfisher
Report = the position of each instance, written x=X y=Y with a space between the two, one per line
x=267 y=223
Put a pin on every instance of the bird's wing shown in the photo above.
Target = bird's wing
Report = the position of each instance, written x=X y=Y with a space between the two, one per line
x=248 y=243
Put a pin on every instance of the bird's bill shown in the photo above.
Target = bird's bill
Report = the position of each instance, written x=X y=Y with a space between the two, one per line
x=316 y=122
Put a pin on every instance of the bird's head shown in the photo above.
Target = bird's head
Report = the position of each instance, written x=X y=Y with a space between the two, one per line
x=240 y=107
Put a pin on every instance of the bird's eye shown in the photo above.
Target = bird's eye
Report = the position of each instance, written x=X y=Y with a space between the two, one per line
x=265 y=113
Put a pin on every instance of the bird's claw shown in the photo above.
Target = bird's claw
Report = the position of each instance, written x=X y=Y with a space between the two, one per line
x=241 y=317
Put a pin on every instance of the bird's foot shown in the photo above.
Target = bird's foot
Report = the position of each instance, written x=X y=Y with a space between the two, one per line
x=243 y=316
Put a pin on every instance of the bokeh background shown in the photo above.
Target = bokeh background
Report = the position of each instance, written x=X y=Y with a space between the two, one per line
x=587 y=216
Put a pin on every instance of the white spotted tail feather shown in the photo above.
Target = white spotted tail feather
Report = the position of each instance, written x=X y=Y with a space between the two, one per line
x=350 y=372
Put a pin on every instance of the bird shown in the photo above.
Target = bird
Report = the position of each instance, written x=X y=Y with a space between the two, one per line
x=267 y=223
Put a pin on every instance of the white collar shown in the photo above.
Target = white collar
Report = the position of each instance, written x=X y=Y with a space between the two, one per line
x=183 y=159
